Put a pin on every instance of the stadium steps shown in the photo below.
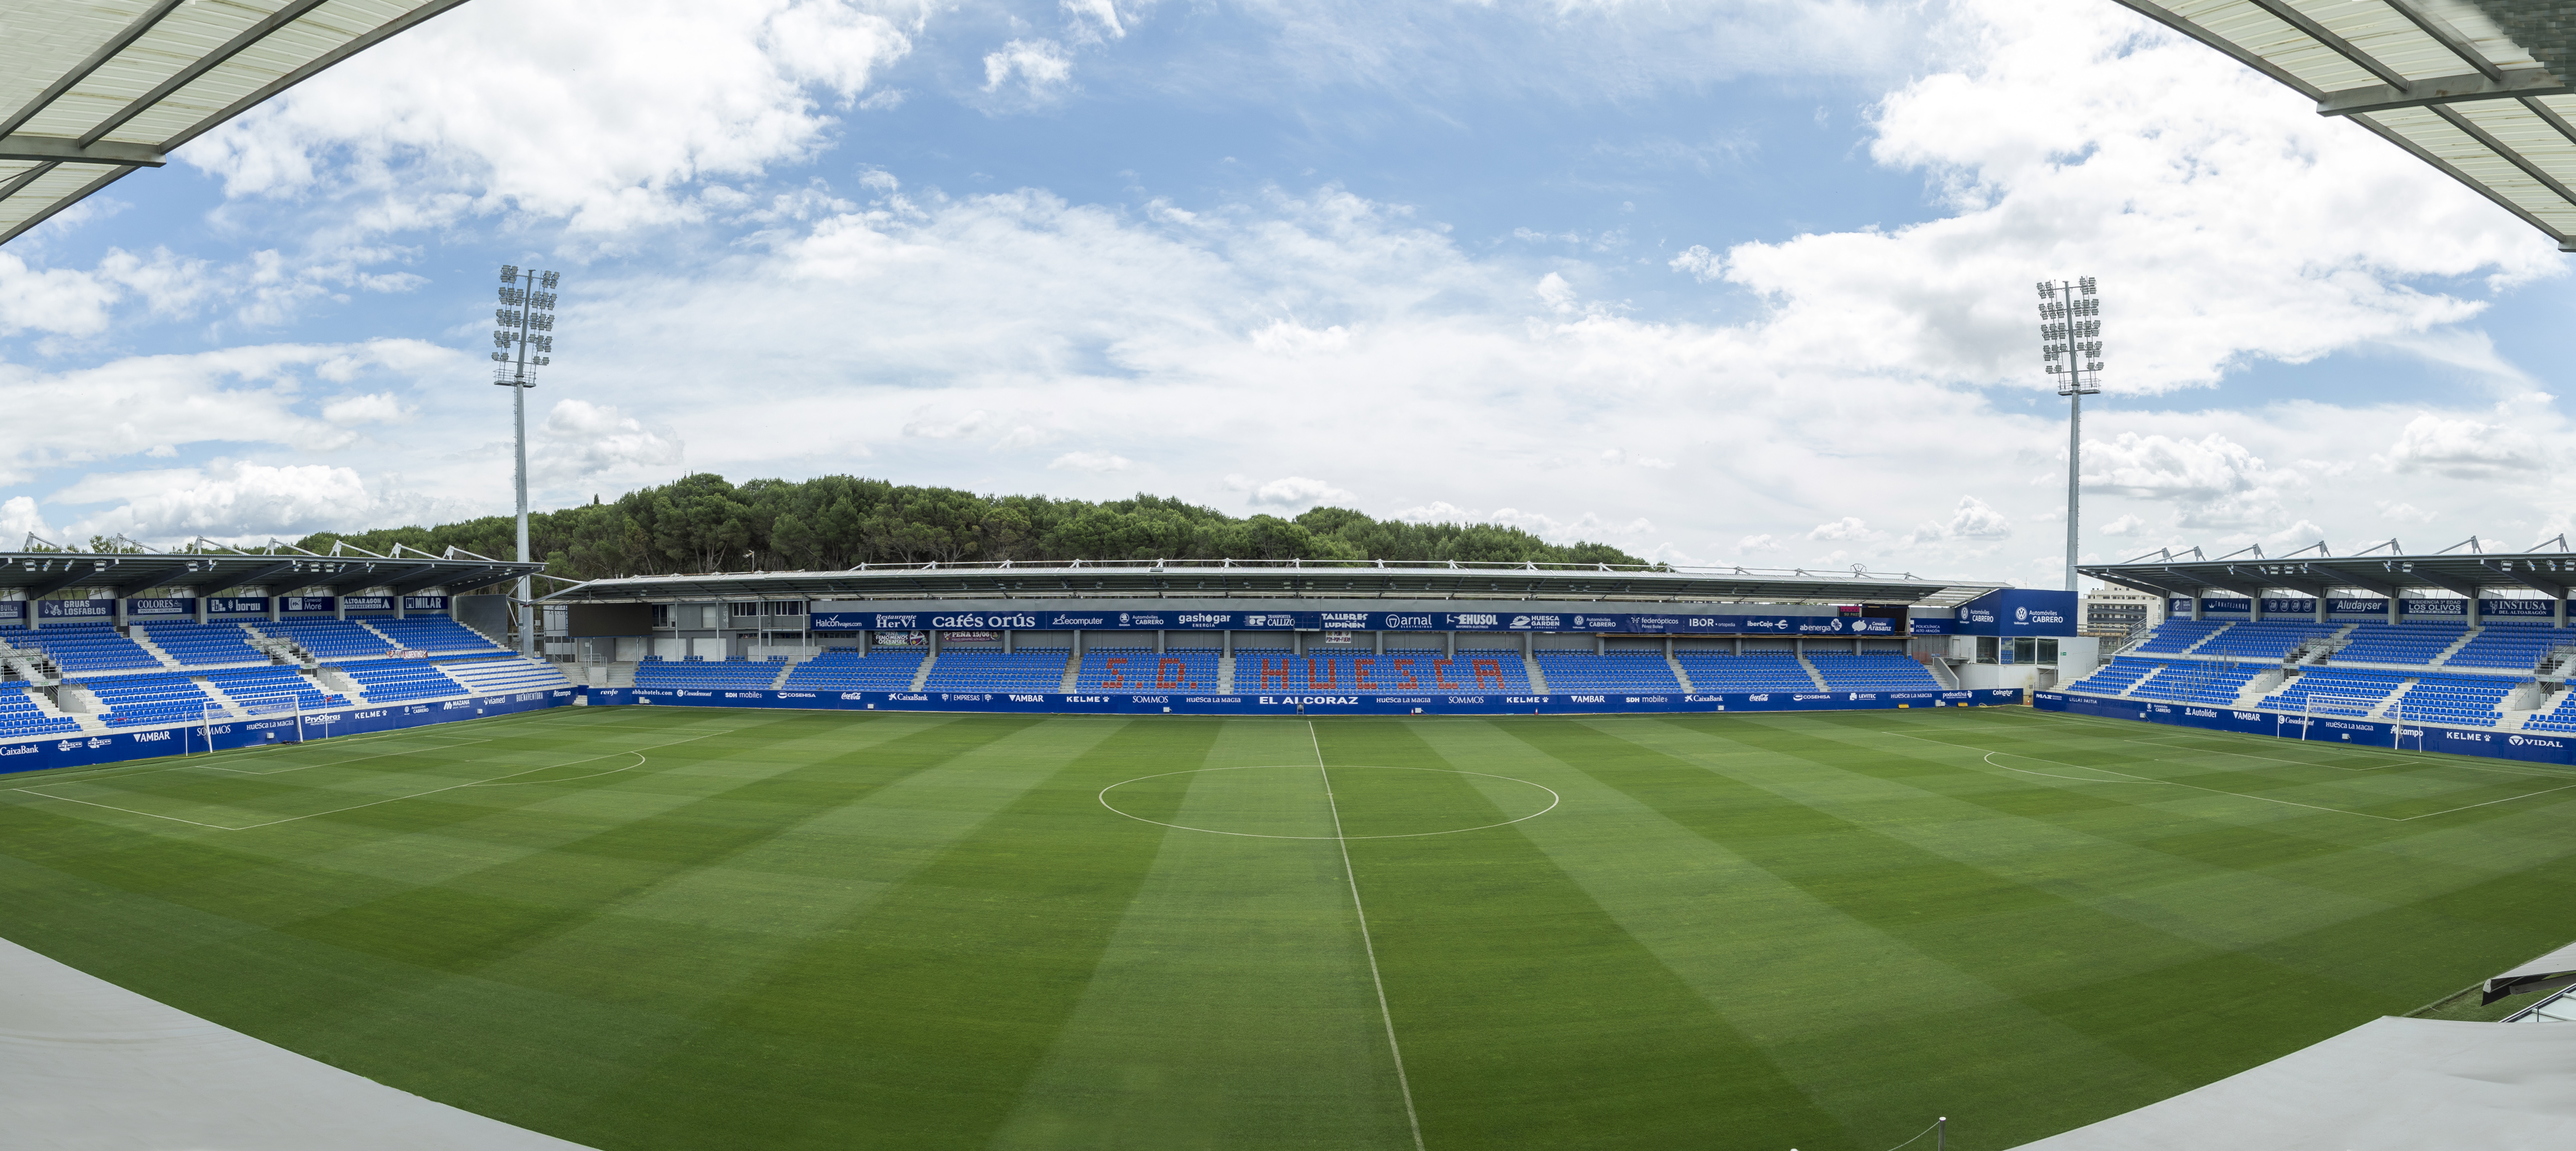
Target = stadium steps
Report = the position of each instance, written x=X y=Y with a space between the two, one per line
x=46 y=705
x=1679 y=676
x=1072 y=675
x=152 y=649
x=2444 y=656
x=1948 y=677
x=921 y=678
x=2203 y=641
x=337 y=682
x=1812 y=673
x=1538 y=677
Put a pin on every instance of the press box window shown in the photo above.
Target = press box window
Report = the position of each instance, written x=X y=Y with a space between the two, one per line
x=661 y=615
x=2038 y=651
x=746 y=610
x=1986 y=649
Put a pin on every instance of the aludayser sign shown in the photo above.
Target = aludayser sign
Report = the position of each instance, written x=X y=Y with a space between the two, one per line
x=1623 y=623
x=2241 y=607
x=89 y=749
x=1302 y=703
x=2532 y=748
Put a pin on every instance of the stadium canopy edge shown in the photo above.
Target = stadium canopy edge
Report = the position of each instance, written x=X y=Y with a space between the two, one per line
x=38 y=574
x=91 y=91
x=2471 y=575
x=1292 y=579
x=2479 y=89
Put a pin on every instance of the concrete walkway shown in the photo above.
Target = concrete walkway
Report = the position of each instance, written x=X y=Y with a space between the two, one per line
x=87 y=1064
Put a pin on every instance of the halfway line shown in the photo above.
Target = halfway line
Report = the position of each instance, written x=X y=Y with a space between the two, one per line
x=1401 y=1083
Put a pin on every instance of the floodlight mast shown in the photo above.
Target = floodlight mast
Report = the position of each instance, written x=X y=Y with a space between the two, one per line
x=2070 y=328
x=527 y=320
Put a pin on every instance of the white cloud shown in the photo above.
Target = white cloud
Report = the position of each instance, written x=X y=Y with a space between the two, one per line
x=1098 y=463
x=2125 y=525
x=582 y=441
x=1095 y=20
x=1760 y=544
x=1975 y=520
x=371 y=408
x=1042 y=66
x=233 y=501
x=1846 y=528
x=1702 y=264
x=1296 y=492
x=640 y=99
x=2463 y=448
x=18 y=517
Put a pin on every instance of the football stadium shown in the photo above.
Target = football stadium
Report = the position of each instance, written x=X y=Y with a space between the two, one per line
x=377 y=840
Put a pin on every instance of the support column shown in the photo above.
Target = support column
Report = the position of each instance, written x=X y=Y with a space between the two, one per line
x=934 y=643
x=1448 y=645
x=119 y=611
x=1160 y=637
x=2321 y=607
x=202 y=599
x=2474 y=617
x=2195 y=608
x=2558 y=612
x=2392 y=609
x=339 y=606
x=1600 y=644
x=2254 y=610
x=1010 y=641
x=275 y=602
x=1377 y=643
x=1668 y=646
x=1229 y=643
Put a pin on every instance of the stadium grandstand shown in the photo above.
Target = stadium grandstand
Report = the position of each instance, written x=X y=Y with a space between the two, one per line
x=2464 y=639
x=138 y=640
x=1254 y=629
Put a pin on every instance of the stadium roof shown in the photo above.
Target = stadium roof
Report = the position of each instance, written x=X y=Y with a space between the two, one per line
x=2388 y=1085
x=2468 y=574
x=1304 y=579
x=126 y=573
x=90 y=90
x=2476 y=88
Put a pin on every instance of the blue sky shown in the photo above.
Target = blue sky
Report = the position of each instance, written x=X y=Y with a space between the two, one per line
x=1725 y=282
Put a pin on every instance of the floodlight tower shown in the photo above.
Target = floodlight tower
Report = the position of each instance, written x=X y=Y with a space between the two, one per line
x=2070 y=329
x=527 y=320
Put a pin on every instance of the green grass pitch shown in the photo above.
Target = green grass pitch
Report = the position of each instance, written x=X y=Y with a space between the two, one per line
x=651 y=927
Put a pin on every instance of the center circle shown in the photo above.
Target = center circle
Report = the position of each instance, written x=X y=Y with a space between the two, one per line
x=1291 y=801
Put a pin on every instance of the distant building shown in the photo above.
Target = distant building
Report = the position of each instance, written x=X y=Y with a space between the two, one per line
x=2119 y=611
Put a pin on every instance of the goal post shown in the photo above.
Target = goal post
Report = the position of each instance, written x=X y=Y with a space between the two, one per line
x=280 y=718
x=2321 y=706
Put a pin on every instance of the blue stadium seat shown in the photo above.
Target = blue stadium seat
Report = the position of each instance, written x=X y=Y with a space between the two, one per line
x=1619 y=671
x=1141 y=669
x=842 y=669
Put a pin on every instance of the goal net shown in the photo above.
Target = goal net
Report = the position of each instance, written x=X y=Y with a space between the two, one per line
x=2322 y=707
x=270 y=719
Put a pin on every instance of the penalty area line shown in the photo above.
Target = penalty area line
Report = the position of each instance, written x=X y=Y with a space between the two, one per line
x=1403 y=1084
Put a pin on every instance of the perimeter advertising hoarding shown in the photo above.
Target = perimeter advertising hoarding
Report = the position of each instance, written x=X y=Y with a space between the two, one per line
x=368 y=602
x=15 y=609
x=2533 y=748
x=1617 y=623
x=306 y=603
x=2233 y=607
x=424 y=603
x=86 y=749
x=237 y=605
x=149 y=609
x=2018 y=611
x=1303 y=703
x=99 y=610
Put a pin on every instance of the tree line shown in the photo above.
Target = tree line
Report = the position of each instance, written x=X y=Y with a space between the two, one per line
x=702 y=523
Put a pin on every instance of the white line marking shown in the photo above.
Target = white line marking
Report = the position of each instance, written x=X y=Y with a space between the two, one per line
x=1553 y=799
x=344 y=762
x=2125 y=777
x=1366 y=944
x=495 y=780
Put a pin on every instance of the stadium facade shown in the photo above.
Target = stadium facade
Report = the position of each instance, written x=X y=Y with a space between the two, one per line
x=115 y=656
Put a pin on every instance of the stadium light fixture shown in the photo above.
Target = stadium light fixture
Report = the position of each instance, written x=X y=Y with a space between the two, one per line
x=2070 y=348
x=527 y=323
